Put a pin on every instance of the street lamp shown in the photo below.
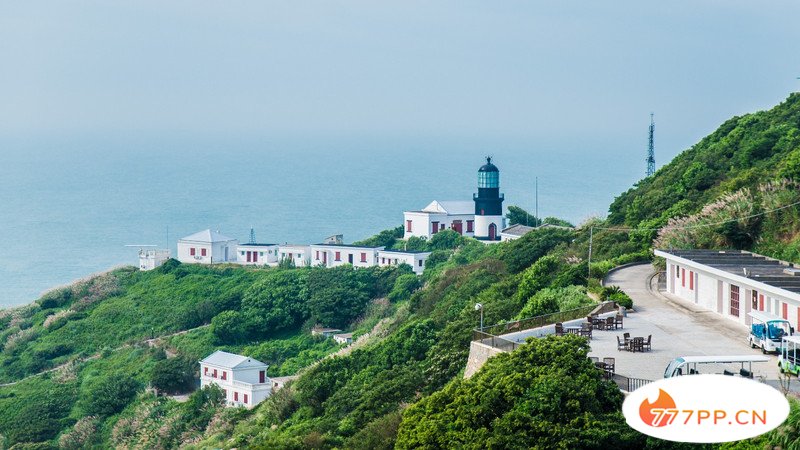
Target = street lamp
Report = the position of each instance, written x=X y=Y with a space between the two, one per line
x=479 y=307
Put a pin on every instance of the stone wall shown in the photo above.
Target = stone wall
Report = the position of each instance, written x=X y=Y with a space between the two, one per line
x=478 y=355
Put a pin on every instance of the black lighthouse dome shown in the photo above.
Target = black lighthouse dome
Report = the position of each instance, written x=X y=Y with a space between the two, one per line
x=488 y=175
x=488 y=167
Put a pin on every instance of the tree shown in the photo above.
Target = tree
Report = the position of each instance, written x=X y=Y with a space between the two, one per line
x=539 y=275
x=546 y=394
x=336 y=296
x=445 y=240
x=110 y=394
x=404 y=286
x=517 y=215
x=173 y=375
x=228 y=327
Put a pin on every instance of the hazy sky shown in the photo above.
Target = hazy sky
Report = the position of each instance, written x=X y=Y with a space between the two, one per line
x=551 y=70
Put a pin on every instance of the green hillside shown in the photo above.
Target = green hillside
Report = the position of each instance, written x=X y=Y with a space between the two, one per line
x=97 y=364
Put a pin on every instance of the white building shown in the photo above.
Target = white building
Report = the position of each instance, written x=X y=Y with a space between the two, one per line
x=439 y=216
x=207 y=247
x=298 y=254
x=515 y=232
x=481 y=218
x=333 y=255
x=732 y=283
x=149 y=259
x=324 y=331
x=343 y=338
x=243 y=380
x=257 y=254
x=415 y=259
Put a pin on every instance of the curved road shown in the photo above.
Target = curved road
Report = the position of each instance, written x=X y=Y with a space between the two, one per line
x=678 y=328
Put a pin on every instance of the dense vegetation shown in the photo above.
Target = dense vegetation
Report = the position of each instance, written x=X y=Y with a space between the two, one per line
x=401 y=384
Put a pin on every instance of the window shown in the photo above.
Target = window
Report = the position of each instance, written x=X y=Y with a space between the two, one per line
x=691 y=280
x=419 y=263
x=350 y=258
x=245 y=398
x=678 y=272
x=262 y=376
x=785 y=311
x=683 y=278
x=434 y=227
x=735 y=300
x=754 y=299
x=441 y=227
x=408 y=226
x=202 y=252
x=383 y=260
x=192 y=251
x=214 y=374
x=260 y=253
x=242 y=252
x=338 y=256
x=235 y=396
x=470 y=226
x=224 y=375
x=316 y=255
x=363 y=257
x=205 y=370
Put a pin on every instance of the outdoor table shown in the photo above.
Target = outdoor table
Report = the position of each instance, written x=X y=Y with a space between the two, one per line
x=573 y=330
x=598 y=323
x=637 y=344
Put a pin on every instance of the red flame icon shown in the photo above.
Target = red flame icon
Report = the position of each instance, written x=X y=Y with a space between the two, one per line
x=664 y=401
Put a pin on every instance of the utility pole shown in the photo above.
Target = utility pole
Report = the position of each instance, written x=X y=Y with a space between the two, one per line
x=651 y=152
x=591 y=238
x=536 y=204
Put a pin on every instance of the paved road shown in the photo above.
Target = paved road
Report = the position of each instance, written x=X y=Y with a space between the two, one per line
x=678 y=328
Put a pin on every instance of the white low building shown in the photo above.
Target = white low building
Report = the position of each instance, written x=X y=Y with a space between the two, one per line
x=415 y=259
x=343 y=338
x=243 y=380
x=439 y=216
x=298 y=254
x=515 y=232
x=333 y=255
x=257 y=254
x=149 y=259
x=207 y=247
x=733 y=283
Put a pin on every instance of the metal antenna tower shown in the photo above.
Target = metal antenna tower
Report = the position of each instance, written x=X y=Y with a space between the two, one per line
x=252 y=236
x=651 y=152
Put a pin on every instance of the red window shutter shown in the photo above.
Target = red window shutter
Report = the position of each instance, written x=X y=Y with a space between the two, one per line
x=786 y=311
x=205 y=370
x=255 y=256
x=245 y=399
x=363 y=257
x=192 y=251
x=434 y=227
x=235 y=396
x=224 y=375
x=408 y=226
x=691 y=280
x=214 y=374
x=470 y=224
x=761 y=302
x=683 y=277
x=202 y=252
x=338 y=256
x=249 y=256
x=262 y=376
x=317 y=256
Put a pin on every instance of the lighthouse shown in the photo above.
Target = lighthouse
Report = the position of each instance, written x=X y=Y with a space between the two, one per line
x=488 y=203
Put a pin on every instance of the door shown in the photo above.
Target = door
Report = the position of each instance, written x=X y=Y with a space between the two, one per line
x=249 y=256
x=350 y=258
x=492 y=232
x=255 y=257
x=457 y=227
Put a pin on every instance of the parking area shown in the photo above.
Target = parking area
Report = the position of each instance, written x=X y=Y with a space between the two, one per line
x=678 y=328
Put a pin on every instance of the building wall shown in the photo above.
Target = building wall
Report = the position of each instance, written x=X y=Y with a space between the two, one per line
x=241 y=381
x=299 y=254
x=713 y=292
x=266 y=255
x=215 y=252
x=327 y=254
x=422 y=224
x=415 y=260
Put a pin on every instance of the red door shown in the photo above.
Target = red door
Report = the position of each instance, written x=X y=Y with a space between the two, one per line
x=262 y=376
x=248 y=257
x=492 y=232
x=325 y=258
x=434 y=227
x=457 y=226
x=255 y=256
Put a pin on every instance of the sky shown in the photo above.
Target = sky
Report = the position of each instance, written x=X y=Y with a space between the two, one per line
x=579 y=71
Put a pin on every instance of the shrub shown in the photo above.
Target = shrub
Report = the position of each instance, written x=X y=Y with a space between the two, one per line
x=173 y=375
x=622 y=299
x=110 y=394
x=404 y=286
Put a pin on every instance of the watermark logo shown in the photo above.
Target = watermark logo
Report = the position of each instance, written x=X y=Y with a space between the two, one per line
x=705 y=408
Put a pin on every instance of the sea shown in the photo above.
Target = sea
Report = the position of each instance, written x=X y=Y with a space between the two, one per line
x=76 y=204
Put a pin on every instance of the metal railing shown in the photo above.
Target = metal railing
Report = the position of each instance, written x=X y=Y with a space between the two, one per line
x=534 y=322
x=629 y=384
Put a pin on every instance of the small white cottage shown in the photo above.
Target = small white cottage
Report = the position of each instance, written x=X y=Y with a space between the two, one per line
x=207 y=247
x=243 y=380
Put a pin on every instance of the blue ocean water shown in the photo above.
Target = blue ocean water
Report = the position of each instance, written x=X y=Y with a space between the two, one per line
x=69 y=204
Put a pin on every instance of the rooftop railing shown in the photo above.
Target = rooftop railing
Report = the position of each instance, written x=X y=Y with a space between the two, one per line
x=532 y=322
